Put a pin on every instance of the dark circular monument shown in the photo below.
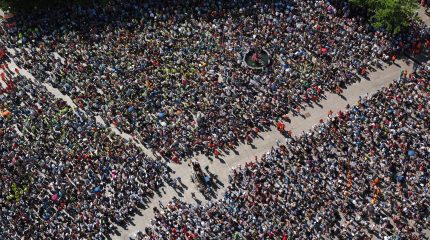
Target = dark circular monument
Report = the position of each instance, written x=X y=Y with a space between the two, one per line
x=257 y=58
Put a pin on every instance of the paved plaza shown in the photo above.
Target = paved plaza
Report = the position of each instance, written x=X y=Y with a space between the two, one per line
x=220 y=167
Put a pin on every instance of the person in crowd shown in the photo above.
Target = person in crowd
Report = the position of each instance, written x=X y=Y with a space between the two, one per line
x=363 y=173
x=172 y=75
x=63 y=175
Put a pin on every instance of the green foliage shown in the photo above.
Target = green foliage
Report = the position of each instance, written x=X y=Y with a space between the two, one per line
x=392 y=15
x=4 y=4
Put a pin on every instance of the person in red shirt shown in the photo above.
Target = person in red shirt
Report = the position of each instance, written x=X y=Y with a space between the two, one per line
x=280 y=126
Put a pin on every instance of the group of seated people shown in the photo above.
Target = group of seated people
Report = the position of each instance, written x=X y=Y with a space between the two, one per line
x=173 y=76
x=363 y=173
x=62 y=174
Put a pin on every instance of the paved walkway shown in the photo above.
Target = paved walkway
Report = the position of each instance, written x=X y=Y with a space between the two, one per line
x=221 y=168
x=422 y=14
x=378 y=80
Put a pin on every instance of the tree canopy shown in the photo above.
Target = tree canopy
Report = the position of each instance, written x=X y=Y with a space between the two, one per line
x=392 y=15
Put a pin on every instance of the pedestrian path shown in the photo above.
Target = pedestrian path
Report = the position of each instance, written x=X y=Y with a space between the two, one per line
x=221 y=167
x=71 y=104
x=245 y=153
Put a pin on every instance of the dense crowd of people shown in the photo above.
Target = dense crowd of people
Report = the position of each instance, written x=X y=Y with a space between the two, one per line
x=362 y=173
x=172 y=75
x=63 y=175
